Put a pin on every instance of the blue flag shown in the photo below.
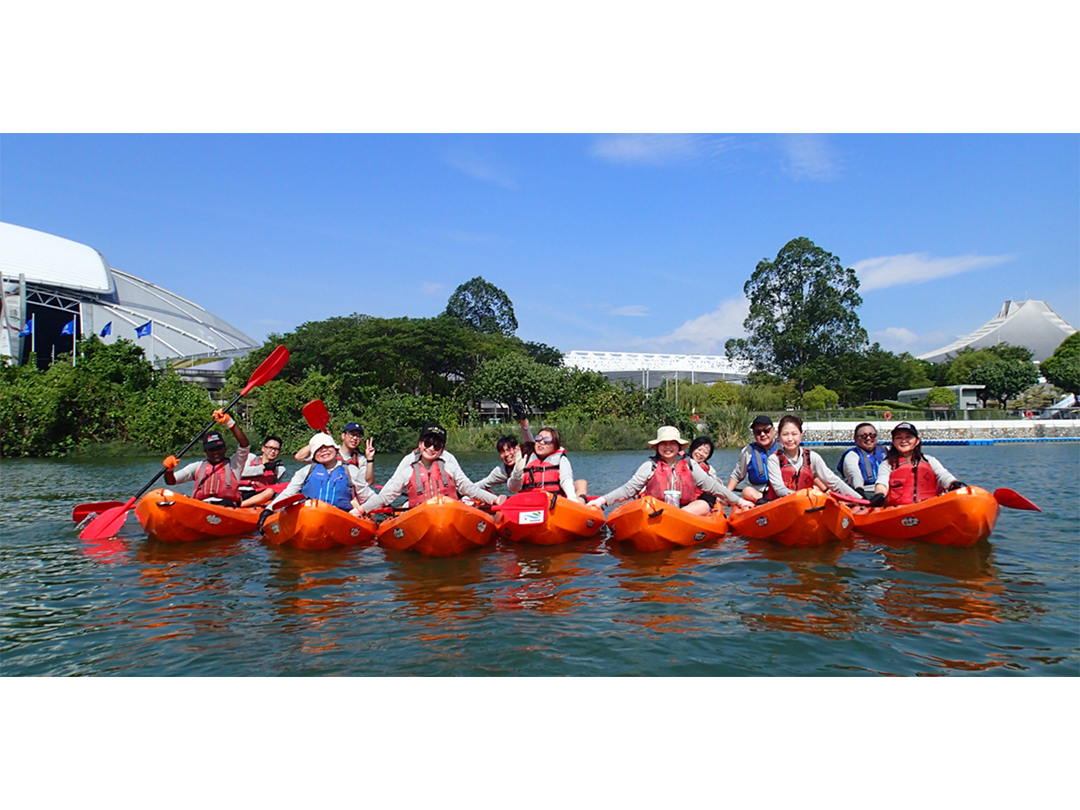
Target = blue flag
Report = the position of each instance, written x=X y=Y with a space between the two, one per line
x=144 y=330
x=107 y=330
x=28 y=328
x=69 y=328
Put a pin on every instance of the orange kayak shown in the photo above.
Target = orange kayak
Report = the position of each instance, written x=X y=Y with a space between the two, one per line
x=807 y=517
x=651 y=525
x=174 y=518
x=316 y=526
x=440 y=527
x=566 y=521
x=959 y=518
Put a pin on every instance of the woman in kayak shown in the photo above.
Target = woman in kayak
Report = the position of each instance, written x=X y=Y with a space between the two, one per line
x=670 y=474
x=548 y=469
x=907 y=475
x=327 y=478
x=796 y=467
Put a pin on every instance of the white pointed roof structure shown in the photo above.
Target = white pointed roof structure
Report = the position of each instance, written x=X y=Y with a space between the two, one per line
x=1031 y=324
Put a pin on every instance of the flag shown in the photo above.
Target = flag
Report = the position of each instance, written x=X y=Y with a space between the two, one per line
x=144 y=330
x=69 y=328
x=28 y=329
x=107 y=330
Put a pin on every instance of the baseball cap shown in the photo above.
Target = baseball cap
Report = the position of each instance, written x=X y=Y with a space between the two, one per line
x=908 y=427
x=761 y=419
x=212 y=440
x=433 y=429
x=354 y=426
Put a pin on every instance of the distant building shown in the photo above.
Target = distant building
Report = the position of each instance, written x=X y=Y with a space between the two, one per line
x=1031 y=324
x=654 y=370
x=53 y=281
x=966 y=395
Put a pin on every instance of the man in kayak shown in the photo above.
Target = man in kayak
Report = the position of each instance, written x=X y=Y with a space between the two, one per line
x=906 y=475
x=327 y=478
x=673 y=477
x=349 y=451
x=513 y=460
x=217 y=479
x=753 y=463
x=427 y=472
x=261 y=473
x=859 y=464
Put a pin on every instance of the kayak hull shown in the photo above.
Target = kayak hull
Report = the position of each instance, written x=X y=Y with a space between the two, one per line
x=170 y=517
x=804 y=518
x=959 y=518
x=316 y=526
x=566 y=521
x=440 y=527
x=649 y=524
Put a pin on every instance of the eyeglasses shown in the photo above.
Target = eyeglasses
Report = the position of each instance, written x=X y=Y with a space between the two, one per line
x=267 y=448
x=545 y=440
x=866 y=436
x=359 y=434
x=430 y=441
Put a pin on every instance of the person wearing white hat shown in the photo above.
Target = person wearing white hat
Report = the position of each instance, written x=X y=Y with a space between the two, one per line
x=671 y=476
x=327 y=478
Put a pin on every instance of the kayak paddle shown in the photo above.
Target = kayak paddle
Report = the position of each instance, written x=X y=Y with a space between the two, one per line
x=316 y=415
x=108 y=523
x=526 y=507
x=84 y=510
x=1014 y=500
x=848 y=499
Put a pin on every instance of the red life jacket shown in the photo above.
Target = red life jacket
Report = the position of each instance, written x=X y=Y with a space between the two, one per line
x=666 y=477
x=803 y=479
x=543 y=474
x=430 y=482
x=911 y=483
x=263 y=480
x=217 y=482
x=354 y=459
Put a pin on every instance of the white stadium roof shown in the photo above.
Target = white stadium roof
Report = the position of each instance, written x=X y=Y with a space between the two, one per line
x=1031 y=324
x=652 y=369
x=64 y=279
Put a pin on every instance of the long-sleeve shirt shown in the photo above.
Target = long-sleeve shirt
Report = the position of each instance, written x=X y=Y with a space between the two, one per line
x=817 y=466
x=742 y=465
x=944 y=477
x=566 y=476
x=500 y=475
x=853 y=472
x=399 y=482
x=640 y=478
x=238 y=461
x=356 y=480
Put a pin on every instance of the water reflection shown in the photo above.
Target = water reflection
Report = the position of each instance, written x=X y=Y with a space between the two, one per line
x=541 y=579
x=665 y=586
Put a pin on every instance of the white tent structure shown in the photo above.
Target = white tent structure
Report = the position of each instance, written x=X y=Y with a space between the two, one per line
x=1031 y=324
x=51 y=281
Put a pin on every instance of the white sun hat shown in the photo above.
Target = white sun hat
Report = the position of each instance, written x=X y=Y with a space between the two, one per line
x=669 y=434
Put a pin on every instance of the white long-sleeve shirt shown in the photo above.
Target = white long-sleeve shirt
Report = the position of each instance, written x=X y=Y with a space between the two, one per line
x=399 y=482
x=817 y=466
x=360 y=489
x=641 y=476
x=944 y=477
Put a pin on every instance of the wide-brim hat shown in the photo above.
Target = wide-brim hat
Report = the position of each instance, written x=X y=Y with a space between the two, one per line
x=669 y=434
x=321 y=440
x=908 y=427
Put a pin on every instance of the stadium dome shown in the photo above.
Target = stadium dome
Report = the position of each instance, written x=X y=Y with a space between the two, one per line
x=1031 y=324
x=48 y=281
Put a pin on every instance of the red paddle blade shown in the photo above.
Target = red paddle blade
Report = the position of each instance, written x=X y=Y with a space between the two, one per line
x=1014 y=500
x=848 y=499
x=108 y=523
x=268 y=369
x=526 y=508
x=292 y=500
x=316 y=415
x=82 y=511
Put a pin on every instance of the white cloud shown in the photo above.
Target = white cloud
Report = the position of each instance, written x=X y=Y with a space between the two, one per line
x=481 y=168
x=707 y=333
x=809 y=157
x=657 y=150
x=898 y=339
x=432 y=288
x=635 y=310
x=915 y=268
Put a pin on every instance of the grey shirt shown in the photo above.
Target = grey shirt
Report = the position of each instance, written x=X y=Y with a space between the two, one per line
x=500 y=475
x=641 y=477
x=399 y=482
x=817 y=466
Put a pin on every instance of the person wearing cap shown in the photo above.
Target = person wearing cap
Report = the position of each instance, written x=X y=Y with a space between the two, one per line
x=261 y=473
x=327 y=478
x=547 y=469
x=427 y=472
x=349 y=450
x=907 y=475
x=217 y=478
x=796 y=467
x=673 y=477
x=753 y=463
x=859 y=464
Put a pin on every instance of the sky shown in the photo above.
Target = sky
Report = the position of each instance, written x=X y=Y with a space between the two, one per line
x=606 y=242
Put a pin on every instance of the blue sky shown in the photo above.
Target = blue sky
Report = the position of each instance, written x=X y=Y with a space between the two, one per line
x=602 y=242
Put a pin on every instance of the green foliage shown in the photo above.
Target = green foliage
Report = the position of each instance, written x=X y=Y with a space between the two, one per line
x=820 y=398
x=728 y=425
x=724 y=393
x=802 y=309
x=169 y=414
x=939 y=395
x=542 y=353
x=1004 y=379
x=482 y=307
x=515 y=375
x=691 y=397
x=1062 y=368
x=394 y=420
x=763 y=398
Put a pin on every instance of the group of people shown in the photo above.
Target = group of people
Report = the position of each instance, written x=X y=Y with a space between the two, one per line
x=678 y=472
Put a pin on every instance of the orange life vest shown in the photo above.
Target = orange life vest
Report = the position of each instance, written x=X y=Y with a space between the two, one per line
x=667 y=477
x=803 y=479
x=543 y=474
x=265 y=479
x=911 y=483
x=430 y=482
x=217 y=481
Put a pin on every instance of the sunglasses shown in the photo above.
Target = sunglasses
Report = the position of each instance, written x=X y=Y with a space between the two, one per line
x=430 y=441
x=544 y=440
x=763 y=431
x=866 y=436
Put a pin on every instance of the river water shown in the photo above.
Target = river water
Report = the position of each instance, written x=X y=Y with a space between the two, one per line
x=131 y=606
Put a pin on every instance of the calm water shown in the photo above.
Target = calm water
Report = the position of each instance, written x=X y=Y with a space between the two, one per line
x=735 y=607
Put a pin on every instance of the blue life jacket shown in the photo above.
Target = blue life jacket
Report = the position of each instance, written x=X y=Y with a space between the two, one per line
x=757 y=470
x=868 y=463
x=332 y=487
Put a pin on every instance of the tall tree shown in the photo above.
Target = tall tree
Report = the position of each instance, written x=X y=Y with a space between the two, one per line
x=802 y=310
x=482 y=307
x=1062 y=368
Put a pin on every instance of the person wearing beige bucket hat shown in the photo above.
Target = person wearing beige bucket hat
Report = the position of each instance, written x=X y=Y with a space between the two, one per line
x=672 y=477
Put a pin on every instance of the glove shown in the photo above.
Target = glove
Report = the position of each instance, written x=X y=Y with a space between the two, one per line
x=518 y=408
x=263 y=515
x=223 y=418
x=956 y=485
x=519 y=465
x=170 y=462
x=877 y=499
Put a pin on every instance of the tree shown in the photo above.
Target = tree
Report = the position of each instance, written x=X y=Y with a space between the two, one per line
x=542 y=353
x=1062 y=368
x=515 y=375
x=820 y=398
x=1004 y=379
x=802 y=309
x=940 y=395
x=482 y=307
